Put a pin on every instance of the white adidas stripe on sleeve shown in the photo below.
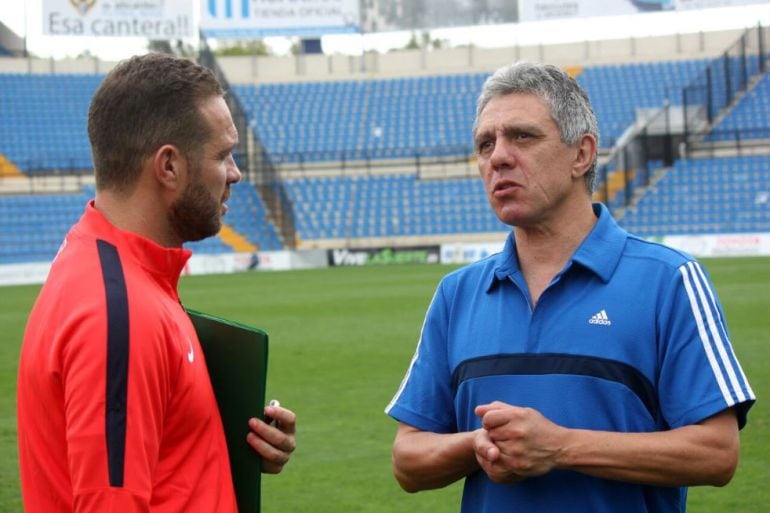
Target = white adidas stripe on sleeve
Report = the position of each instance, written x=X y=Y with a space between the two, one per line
x=731 y=357
x=712 y=333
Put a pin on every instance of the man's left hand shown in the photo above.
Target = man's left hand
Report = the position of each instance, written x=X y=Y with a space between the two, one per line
x=515 y=442
x=275 y=441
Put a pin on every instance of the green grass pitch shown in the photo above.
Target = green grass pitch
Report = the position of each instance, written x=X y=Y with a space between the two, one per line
x=340 y=342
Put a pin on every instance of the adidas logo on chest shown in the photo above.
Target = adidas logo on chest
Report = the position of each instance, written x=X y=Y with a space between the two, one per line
x=600 y=318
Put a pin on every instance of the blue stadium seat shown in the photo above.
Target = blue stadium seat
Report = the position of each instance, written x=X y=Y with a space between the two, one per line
x=389 y=205
x=33 y=226
x=720 y=195
x=748 y=119
x=44 y=120
x=616 y=91
x=404 y=117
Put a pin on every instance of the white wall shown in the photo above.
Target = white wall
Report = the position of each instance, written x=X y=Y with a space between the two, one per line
x=82 y=66
x=252 y=69
x=474 y=59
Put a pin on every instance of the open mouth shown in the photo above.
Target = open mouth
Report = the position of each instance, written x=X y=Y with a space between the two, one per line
x=225 y=199
x=504 y=187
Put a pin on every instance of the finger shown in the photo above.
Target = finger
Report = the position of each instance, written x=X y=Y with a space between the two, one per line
x=273 y=459
x=498 y=417
x=489 y=452
x=268 y=467
x=483 y=409
x=280 y=436
x=484 y=447
x=284 y=419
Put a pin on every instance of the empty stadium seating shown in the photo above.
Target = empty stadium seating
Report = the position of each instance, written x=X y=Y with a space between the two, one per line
x=44 y=116
x=750 y=118
x=617 y=91
x=33 y=226
x=356 y=120
x=248 y=216
x=722 y=195
x=44 y=129
x=44 y=120
x=389 y=206
x=405 y=117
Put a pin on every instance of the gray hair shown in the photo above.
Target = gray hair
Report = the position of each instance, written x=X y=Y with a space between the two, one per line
x=568 y=102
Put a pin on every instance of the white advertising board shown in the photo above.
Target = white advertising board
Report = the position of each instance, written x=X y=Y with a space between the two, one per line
x=24 y=274
x=725 y=245
x=223 y=263
x=468 y=253
x=701 y=246
x=260 y=18
x=152 y=19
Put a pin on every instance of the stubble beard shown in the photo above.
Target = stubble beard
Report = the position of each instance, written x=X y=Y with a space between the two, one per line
x=196 y=214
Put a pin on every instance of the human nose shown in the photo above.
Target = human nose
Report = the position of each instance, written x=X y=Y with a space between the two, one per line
x=501 y=156
x=233 y=172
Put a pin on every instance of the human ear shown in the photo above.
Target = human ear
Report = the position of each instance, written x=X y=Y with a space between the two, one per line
x=586 y=154
x=169 y=166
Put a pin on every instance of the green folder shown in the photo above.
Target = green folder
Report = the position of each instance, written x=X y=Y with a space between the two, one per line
x=236 y=356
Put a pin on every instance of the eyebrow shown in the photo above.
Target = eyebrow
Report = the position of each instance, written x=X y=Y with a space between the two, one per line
x=522 y=127
x=510 y=129
x=227 y=151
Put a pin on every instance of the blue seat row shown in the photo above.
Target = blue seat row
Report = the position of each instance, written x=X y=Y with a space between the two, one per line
x=750 y=118
x=719 y=195
x=396 y=118
x=389 y=206
x=33 y=226
x=44 y=116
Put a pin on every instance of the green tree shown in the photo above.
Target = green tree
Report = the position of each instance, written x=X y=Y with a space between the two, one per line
x=250 y=47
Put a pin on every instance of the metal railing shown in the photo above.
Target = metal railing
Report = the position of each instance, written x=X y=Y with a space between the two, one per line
x=674 y=131
x=253 y=160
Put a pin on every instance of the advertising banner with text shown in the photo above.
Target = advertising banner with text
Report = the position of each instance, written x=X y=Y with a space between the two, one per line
x=389 y=15
x=537 y=10
x=260 y=18
x=384 y=256
x=152 y=19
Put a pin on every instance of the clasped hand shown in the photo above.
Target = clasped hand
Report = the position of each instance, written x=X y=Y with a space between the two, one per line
x=515 y=443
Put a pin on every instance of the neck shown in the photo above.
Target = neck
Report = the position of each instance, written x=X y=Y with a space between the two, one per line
x=137 y=213
x=544 y=249
x=556 y=238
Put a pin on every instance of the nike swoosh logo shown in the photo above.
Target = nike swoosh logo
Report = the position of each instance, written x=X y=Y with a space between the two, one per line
x=190 y=353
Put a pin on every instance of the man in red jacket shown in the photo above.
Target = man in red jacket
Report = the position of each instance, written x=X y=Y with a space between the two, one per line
x=115 y=407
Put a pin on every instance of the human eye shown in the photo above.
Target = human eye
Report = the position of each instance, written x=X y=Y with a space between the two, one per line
x=226 y=154
x=484 y=145
x=522 y=135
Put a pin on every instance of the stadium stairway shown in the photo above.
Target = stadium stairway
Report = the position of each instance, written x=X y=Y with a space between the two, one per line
x=32 y=226
x=705 y=195
x=8 y=168
x=616 y=182
x=574 y=71
x=235 y=240
x=748 y=113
